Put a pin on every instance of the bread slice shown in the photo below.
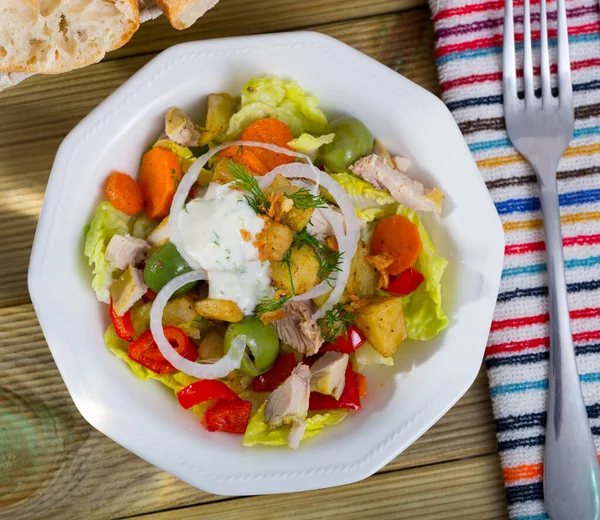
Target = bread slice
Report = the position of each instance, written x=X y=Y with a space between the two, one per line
x=183 y=13
x=52 y=36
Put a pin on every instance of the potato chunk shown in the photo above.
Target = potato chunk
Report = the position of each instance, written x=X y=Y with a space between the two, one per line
x=363 y=278
x=304 y=269
x=273 y=241
x=221 y=310
x=382 y=323
x=295 y=218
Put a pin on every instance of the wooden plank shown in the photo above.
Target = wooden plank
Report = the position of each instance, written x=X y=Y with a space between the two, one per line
x=234 y=18
x=454 y=490
x=34 y=121
x=55 y=465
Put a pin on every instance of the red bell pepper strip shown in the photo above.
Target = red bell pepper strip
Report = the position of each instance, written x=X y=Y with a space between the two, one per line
x=150 y=295
x=405 y=283
x=228 y=416
x=277 y=374
x=204 y=390
x=350 y=397
x=346 y=343
x=122 y=324
x=144 y=350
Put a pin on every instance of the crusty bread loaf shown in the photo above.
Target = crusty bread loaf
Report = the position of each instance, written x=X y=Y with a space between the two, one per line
x=51 y=36
x=183 y=13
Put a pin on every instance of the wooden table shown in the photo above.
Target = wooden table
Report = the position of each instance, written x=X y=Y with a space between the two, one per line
x=52 y=463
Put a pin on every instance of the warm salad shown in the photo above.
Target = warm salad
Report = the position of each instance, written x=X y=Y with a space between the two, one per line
x=259 y=263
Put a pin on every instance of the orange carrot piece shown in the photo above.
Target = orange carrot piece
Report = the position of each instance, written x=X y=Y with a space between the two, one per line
x=124 y=193
x=245 y=157
x=399 y=237
x=159 y=175
x=362 y=384
x=272 y=131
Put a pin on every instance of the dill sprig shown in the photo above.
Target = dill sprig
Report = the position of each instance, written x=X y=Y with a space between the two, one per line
x=303 y=199
x=329 y=260
x=336 y=321
x=246 y=181
x=270 y=305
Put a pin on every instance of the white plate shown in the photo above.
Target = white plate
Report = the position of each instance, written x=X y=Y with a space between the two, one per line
x=403 y=401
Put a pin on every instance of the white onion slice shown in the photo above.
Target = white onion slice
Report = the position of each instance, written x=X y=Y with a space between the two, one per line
x=341 y=276
x=294 y=170
x=221 y=368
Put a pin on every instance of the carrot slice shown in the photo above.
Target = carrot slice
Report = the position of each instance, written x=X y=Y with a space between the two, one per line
x=362 y=384
x=124 y=193
x=159 y=175
x=273 y=131
x=245 y=157
x=399 y=237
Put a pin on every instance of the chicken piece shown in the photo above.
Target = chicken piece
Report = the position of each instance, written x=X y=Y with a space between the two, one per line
x=181 y=129
x=127 y=290
x=329 y=374
x=290 y=399
x=298 y=329
x=296 y=433
x=160 y=233
x=401 y=164
x=406 y=191
x=320 y=227
x=125 y=250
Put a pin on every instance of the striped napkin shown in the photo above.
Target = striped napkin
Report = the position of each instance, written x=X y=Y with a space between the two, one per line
x=469 y=53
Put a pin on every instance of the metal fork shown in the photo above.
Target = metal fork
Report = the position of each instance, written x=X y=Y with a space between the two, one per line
x=541 y=130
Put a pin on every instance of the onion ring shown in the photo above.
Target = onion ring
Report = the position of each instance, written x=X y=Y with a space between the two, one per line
x=221 y=368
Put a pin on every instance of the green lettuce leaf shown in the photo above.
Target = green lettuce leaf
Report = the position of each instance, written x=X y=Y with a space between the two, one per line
x=370 y=203
x=309 y=144
x=284 y=100
x=143 y=226
x=367 y=355
x=107 y=221
x=423 y=311
x=259 y=432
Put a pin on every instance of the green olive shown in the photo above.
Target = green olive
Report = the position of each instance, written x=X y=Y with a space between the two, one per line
x=262 y=344
x=352 y=141
x=163 y=265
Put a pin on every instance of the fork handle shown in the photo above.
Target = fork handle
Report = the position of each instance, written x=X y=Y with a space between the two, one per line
x=571 y=469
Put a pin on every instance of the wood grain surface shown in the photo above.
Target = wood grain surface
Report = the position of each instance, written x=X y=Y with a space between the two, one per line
x=52 y=463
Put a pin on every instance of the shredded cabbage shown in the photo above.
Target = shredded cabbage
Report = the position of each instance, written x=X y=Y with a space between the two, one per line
x=284 y=100
x=259 y=432
x=107 y=221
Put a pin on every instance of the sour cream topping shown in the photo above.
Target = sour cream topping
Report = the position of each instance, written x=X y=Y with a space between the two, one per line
x=217 y=232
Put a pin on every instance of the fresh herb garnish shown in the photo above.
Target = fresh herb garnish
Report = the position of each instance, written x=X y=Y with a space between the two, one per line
x=336 y=321
x=329 y=259
x=303 y=199
x=270 y=305
x=246 y=181
x=287 y=260
x=175 y=178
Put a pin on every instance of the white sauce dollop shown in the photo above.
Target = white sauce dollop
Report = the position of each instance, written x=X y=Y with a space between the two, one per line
x=210 y=229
